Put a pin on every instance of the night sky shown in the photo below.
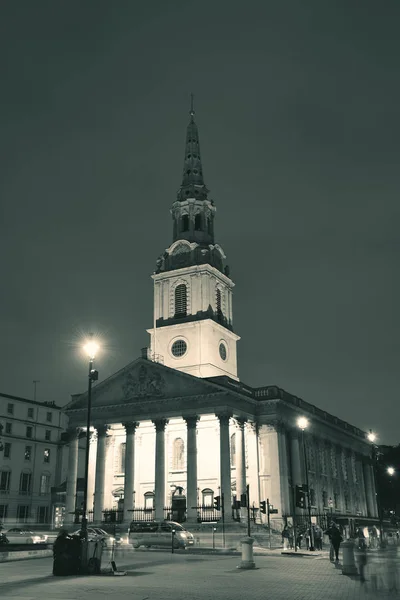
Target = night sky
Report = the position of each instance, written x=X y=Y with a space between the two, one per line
x=297 y=105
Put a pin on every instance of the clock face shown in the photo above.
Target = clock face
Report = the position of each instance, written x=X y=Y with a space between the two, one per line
x=222 y=351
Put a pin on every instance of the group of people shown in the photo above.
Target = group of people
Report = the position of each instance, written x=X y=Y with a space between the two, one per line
x=313 y=535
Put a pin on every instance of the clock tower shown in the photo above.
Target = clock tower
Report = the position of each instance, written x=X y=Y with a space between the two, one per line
x=192 y=329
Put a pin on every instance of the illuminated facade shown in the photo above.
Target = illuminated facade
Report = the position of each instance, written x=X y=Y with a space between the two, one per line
x=178 y=418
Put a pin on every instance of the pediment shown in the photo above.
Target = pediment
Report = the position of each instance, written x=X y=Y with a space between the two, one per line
x=141 y=380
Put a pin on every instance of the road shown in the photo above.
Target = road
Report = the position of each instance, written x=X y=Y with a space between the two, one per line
x=165 y=576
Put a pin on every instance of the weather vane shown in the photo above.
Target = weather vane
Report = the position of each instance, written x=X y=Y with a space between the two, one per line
x=191 y=105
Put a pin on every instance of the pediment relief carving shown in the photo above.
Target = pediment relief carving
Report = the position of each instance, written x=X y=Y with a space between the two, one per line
x=145 y=382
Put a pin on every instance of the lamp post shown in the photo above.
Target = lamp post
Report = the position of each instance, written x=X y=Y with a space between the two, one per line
x=91 y=349
x=374 y=457
x=302 y=423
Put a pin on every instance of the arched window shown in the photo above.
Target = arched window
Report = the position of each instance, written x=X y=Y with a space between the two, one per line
x=180 y=300
x=207 y=497
x=178 y=452
x=185 y=223
x=233 y=449
x=197 y=222
x=149 y=501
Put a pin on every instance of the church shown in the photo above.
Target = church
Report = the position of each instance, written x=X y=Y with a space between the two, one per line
x=175 y=433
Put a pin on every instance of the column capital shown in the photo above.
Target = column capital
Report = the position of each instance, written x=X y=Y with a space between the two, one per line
x=253 y=425
x=191 y=421
x=223 y=418
x=239 y=422
x=73 y=433
x=102 y=430
x=130 y=426
x=160 y=424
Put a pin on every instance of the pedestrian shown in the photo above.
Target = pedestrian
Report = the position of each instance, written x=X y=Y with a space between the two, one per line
x=291 y=538
x=335 y=538
x=318 y=537
x=308 y=538
x=360 y=554
x=299 y=539
x=285 y=537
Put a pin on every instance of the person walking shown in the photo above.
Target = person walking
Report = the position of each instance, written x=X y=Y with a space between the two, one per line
x=336 y=539
x=318 y=537
x=285 y=537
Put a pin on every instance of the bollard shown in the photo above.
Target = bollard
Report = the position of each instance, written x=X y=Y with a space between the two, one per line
x=348 y=562
x=247 y=554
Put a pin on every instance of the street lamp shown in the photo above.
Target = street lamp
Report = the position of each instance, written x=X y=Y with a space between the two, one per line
x=91 y=348
x=390 y=471
x=372 y=437
x=303 y=423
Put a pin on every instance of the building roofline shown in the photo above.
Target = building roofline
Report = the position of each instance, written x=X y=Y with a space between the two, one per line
x=49 y=404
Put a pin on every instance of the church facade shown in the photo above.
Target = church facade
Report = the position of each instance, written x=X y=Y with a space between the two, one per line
x=178 y=422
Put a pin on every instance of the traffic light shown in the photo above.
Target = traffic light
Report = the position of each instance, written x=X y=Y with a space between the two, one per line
x=300 y=496
x=217 y=502
x=263 y=507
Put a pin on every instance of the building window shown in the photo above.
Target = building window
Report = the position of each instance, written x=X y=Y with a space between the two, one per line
x=3 y=512
x=30 y=413
x=46 y=455
x=185 y=223
x=311 y=456
x=344 y=466
x=43 y=514
x=209 y=226
x=47 y=435
x=207 y=497
x=28 y=452
x=7 y=450
x=44 y=484
x=233 y=449
x=122 y=454
x=178 y=455
x=322 y=460
x=346 y=501
x=10 y=409
x=49 y=417
x=222 y=351
x=354 y=468
x=180 y=300
x=25 y=483
x=179 y=348
x=149 y=501
x=312 y=497
x=335 y=499
x=333 y=462
x=324 y=499
x=29 y=431
x=9 y=428
x=22 y=513
x=5 y=477
x=197 y=222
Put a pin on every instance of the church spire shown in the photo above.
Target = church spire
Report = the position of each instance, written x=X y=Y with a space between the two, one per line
x=193 y=185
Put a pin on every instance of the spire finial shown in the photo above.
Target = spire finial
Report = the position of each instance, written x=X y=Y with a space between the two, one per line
x=192 y=105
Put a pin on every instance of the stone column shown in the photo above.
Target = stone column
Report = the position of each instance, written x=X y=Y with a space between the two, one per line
x=284 y=473
x=296 y=459
x=225 y=465
x=100 y=473
x=72 y=476
x=240 y=458
x=191 y=483
x=159 y=487
x=92 y=470
x=129 y=480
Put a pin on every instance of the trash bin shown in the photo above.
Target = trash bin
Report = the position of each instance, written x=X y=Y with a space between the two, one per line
x=67 y=555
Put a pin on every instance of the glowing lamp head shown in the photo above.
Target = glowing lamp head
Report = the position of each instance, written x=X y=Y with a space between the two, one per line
x=302 y=422
x=91 y=348
x=371 y=436
x=390 y=471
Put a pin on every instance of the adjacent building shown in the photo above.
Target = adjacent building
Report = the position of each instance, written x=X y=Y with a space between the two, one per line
x=32 y=460
x=177 y=423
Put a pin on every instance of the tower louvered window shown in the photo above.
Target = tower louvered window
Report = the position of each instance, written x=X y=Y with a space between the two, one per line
x=180 y=300
x=219 y=303
x=185 y=223
x=197 y=222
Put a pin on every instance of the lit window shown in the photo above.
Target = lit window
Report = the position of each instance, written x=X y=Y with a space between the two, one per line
x=46 y=455
x=180 y=300
x=178 y=455
x=28 y=452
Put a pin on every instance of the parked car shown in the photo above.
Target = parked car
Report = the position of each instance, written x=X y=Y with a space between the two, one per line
x=17 y=535
x=96 y=533
x=159 y=533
